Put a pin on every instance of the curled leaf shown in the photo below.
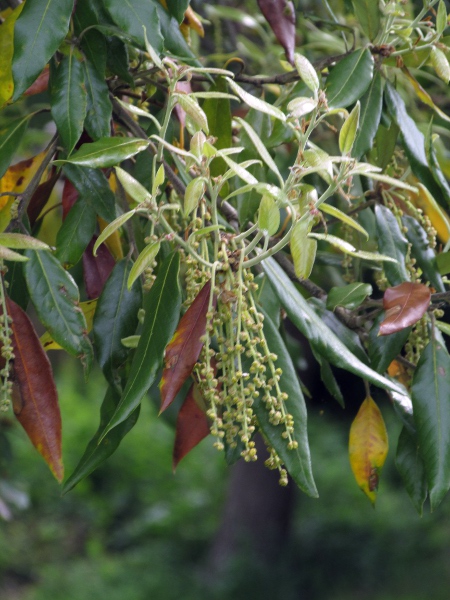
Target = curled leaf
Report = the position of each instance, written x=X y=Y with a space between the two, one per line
x=405 y=304
x=280 y=15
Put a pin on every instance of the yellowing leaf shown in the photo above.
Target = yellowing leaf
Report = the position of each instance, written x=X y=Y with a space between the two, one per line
x=368 y=447
x=438 y=217
x=113 y=241
x=6 y=54
x=88 y=309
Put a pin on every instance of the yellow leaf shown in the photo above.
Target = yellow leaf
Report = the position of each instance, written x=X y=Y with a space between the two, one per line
x=6 y=54
x=368 y=447
x=438 y=217
x=88 y=309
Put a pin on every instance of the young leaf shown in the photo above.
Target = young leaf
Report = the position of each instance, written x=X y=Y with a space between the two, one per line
x=193 y=194
x=94 y=187
x=35 y=402
x=307 y=72
x=38 y=32
x=430 y=391
x=369 y=120
x=192 y=108
x=116 y=317
x=55 y=297
x=145 y=258
x=410 y=466
x=105 y=152
x=405 y=304
x=97 y=451
x=316 y=331
x=329 y=209
x=269 y=215
x=383 y=349
x=368 y=447
x=192 y=426
x=440 y=64
x=138 y=19
x=111 y=228
x=75 y=233
x=184 y=348
x=297 y=460
x=392 y=242
x=299 y=107
x=350 y=296
x=19 y=241
x=132 y=186
x=256 y=103
x=348 y=248
x=99 y=108
x=280 y=14
x=218 y=113
x=303 y=249
x=260 y=147
x=349 y=79
x=162 y=308
x=348 y=131
x=68 y=100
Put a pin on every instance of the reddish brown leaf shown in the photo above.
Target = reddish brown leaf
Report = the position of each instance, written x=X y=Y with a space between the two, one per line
x=184 y=349
x=96 y=269
x=35 y=399
x=404 y=304
x=69 y=197
x=192 y=425
x=40 y=198
x=280 y=15
x=41 y=83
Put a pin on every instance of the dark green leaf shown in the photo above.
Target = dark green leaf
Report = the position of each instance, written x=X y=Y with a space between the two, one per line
x=99 y=109
x=117 y=59
x=383 y=349
x=94 y=187
x=319 y=335
x=68 y=100
x=55 y=297
x=328 y=378
x=105 y=152
x=422 y=252
x=350 y=296
x=115 y=318
x=9 y=140
x=218 y=113
x=174 y=41
x=435 y=167
x=369 y=16
x=75 y=233
x=411 y=469
x=162 y=311
x=39 y=30
x=349 y=79
x=430 y=392
x=177 y=8
x=132 y=16
x=385 y=141
x=268 y=299
x=17 y=285
x=370 y=114
x=93 y=43
x=391 y=242
x=98 y=451
x=297 y=461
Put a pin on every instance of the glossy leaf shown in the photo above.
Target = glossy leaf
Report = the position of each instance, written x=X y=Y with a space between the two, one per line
x=368 y=447
x=348 y=131
x=55 y=297
x=116 y=318
x=105 y=152
x=38 y=32
x=177 y=8
x=384 y=349
x=350 y=296
x=75 y=233
x=9 y=140
x=405 y=304
x=184 y=348
x=94 y=188
x=96 y=269
x=68 y=100
x=369 y=119
x=280 y=14
x=392 y=242
x=430 y=391
x=99 y=108
x=321 y=337
x=132 y=16
x=425 y=255
x=410 y=466
x=93 y=43
x=298 y=460
x=88 y=307
x=97 y=451
x=145 y=259
x=192 y=426
x=162 y=308
x=35 y=402
x=349 y=79
x=369 y=16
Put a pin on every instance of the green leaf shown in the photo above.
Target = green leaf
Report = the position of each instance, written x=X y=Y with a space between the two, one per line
x=385 y=141
x=39 y=30
x=111 y=228
x=430 y=392
x=99 y=108
x=349 y=79
x=267 y=299
x=307 y=72
x=177 y=8
x=68 y=100
x=7 y=254
x=132 y=16
x=297 y=461
x=321 y=337
x=162 y=311
x=383 y=349
x=105 y=152
x=256 y=103
x=260 y=147
x=411 y=468
x=93 y=43
x=145 y=258
x=116 y=317
x=348 y=248
x=369 y=120
x=348 y=131
x=218 y=113
x=132 y=186
x=443 y=263
x=20 y=241
x=350 y=296
x=10 y=138
x=94 y=187
x=269 y=215
x=422 y=252
x=174 y=40
x=329 y=209
x=117 y=59
x=392 y=242
x=328 y=379
x=56 y=297
x=193 y=194
x=303 y=249
x=369 y=16
x=75 y=233
x=98 y=451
